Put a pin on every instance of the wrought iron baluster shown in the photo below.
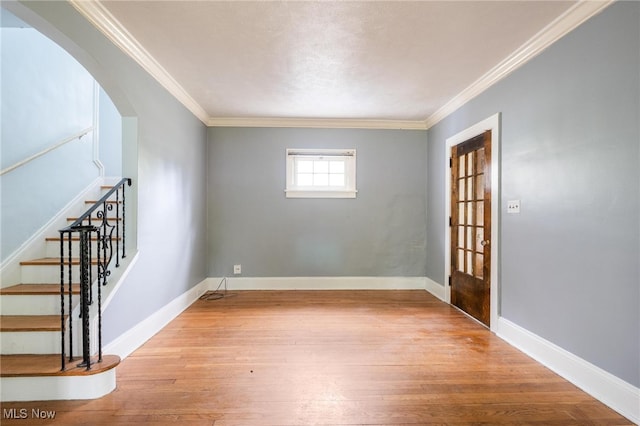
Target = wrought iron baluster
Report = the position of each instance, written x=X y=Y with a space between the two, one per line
x=70 y=269
x=85 y=284
x=104 y=230
x=105 y=240
x=102 y=276
x=62 y=327
x=118 y=228
x=90 y=268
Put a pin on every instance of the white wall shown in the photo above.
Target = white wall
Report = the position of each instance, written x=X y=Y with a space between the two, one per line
x=46 y=96
x=110 y=131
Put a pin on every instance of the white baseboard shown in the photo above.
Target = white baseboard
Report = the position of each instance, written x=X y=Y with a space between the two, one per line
x=436 y=289
x=607 y=388
x=320 y=283
x=132 y=339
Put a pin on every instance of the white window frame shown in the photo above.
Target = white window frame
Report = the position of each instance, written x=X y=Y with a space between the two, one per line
x=294 y=190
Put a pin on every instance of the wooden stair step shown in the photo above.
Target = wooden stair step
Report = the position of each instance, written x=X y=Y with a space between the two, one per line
x=52 y=261
x=93 y=238
x=38 y=289
x=108 y=201
x=93 y=219
x=49 y=365
x=27 y=323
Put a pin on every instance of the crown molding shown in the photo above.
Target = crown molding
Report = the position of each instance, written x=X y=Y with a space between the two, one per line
x=333 y=123
x=106 y=23
x=558 y=28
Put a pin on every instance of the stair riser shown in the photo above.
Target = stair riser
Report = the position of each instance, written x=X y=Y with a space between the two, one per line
x=50 y=274
x=34 y=304
x=45 y=342
x=57 y=388
x=53 y=248
x=111 y=220
x=32 y=342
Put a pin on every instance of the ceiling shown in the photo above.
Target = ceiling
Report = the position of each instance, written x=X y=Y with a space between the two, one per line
x=395 y=64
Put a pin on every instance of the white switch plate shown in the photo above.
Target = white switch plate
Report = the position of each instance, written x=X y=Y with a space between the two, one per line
x=513 y=206
x=237 y=269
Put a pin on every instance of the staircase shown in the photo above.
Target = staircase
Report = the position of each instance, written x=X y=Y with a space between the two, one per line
x=31 y=322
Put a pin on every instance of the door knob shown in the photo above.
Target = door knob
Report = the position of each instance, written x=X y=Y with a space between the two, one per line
x=484 y=243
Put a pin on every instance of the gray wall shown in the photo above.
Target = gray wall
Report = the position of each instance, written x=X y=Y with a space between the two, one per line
x=379 y=233
x=169 y=175
x=570 y=153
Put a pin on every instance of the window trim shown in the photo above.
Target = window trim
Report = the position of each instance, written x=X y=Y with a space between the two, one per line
x=294 y=191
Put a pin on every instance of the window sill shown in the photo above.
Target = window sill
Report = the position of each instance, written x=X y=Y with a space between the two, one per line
x=292 y=193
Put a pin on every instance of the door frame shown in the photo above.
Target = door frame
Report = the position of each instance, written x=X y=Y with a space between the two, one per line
x=492 y=123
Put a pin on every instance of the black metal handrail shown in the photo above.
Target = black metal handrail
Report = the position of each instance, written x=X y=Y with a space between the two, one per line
x=110 y=243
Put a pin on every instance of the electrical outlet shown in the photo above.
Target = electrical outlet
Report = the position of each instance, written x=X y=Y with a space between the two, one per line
x=237 y=269
x=513 y=206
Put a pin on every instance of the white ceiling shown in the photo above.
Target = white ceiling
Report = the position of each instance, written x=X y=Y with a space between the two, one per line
x=363 y=64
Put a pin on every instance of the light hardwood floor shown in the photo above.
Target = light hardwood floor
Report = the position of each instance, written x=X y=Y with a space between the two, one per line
x=331 y=358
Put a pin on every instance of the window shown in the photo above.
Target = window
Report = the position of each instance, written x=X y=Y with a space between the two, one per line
x=321 y=173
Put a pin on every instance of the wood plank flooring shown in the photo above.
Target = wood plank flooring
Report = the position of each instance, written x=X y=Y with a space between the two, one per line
x=330 y=358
